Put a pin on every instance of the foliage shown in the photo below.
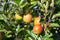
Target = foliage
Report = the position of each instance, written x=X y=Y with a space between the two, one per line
x=11 y=27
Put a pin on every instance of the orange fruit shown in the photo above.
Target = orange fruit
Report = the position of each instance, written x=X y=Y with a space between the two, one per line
x=37 y=20
x=37 y=29
x=27 y=18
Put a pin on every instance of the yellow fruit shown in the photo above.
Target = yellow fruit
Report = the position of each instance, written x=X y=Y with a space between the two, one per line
x=27 y=18
x=18 y=17
x=37 y=20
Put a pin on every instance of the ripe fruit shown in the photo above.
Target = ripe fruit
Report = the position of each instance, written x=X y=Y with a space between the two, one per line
x=27 y=18
x=37 y=29
x=37 y=20
x=18 y=17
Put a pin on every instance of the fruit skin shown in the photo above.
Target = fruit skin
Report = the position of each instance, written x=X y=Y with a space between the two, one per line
x=37 y=29
x=37 y=20
x=27 y=18
x=18 y=17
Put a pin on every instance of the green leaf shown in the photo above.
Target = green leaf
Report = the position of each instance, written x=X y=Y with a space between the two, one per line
x=57 y=2
x=3 y=17
x=23 y=5
x=1 y=9
x=47 y=36
x=2 y=26
x=56 y=15
x=30 y=38
x=50 y=39
x=7 y=34
x=13 y=3
x=20 y=29
x=26 y=38
x=17 y=1
x=3 y=30
x=34 y=2
x=32 y=34
x=54 y=25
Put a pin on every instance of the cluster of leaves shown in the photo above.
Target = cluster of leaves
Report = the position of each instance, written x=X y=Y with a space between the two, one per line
x=18 y=29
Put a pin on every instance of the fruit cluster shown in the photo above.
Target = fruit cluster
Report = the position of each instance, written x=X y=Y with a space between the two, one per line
x=37 y=28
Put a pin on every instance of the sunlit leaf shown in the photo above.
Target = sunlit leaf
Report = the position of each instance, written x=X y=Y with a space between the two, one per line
x=47 y=36
x=7 y=34
x=54 y=25
x=3 y=17
x=56 y=15
x=23 y=5
x=17 y=1
x=32 y=34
